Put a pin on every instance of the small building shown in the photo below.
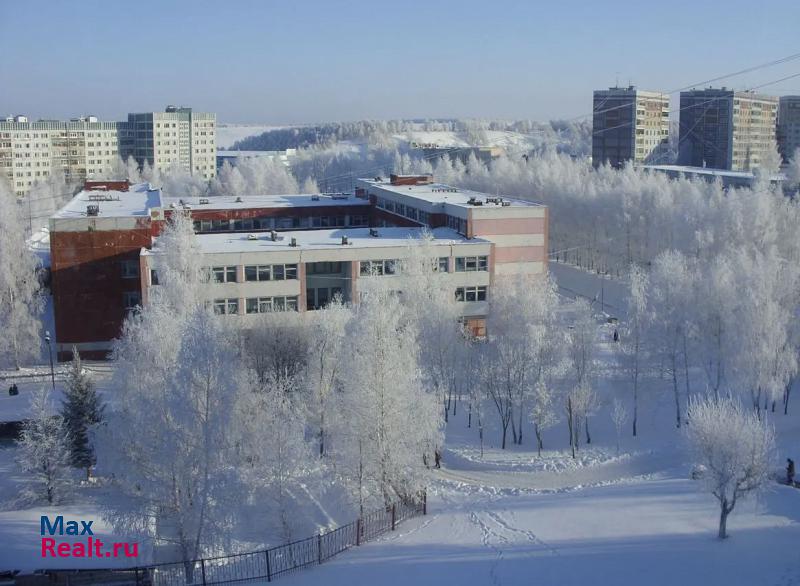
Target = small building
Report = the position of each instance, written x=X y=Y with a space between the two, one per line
x=788 y=126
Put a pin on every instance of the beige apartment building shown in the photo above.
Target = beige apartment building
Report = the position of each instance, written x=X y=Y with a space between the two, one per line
x=85 y=148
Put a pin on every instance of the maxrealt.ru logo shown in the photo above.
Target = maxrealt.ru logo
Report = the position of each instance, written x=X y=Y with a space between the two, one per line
x=87 y=548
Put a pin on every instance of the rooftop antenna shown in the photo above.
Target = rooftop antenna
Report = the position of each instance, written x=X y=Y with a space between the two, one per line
x=616 y=79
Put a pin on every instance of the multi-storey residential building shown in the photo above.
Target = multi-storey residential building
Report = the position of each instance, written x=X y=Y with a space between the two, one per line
x=85 y=148
x=79 y=148
x=177 y=136
x=291 y=253
x=726 y=129
x=629 y=125
x=789 y=126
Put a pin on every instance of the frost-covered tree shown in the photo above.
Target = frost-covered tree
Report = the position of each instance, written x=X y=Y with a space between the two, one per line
x=582 y=351
x=733 y=450
x=390 y=415
x=81 y=411
x=619 y=417
x=177 y=260
x=20 y=301
x=673 y=287
x=167 y=443
x=431 y=306
x=326 y=345
x=274 y=450
x=43 y=451
x=633 y=343
x=543 y=413
x=278 y=345
x=521 y=312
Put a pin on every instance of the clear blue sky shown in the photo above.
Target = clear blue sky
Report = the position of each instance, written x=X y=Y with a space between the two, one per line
x=306 y=61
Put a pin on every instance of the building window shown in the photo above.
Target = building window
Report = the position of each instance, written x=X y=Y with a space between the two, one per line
x=443 y=264
x=269 y=304
x=468 y=294
x=223 y=274
x=270 y=272
x=470 y=264
x=132 y=300
x=130 y=269
x=378 y=267
x=226 y=306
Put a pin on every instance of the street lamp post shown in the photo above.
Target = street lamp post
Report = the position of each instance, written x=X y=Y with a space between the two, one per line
x=50 y=353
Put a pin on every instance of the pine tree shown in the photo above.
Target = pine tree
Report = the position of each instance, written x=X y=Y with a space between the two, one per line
x=81 y=410
x=44 y=451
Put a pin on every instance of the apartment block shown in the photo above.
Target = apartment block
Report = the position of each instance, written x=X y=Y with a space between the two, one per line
x=177 y=136
x=788 y=126
x=283 y=253
x=86 y=148
x=629 y=125
x=726 y=129
x=80 y=148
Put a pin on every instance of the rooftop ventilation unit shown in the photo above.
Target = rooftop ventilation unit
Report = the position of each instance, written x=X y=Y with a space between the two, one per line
x=293 y=242
x=252 y=237
x=373 y=232
x=339 y=196
x=315 y=197
x=92 y=210
x=505 y=203
x=273 y=235
x=203 y=201
x=345 y=241
x=238 y=199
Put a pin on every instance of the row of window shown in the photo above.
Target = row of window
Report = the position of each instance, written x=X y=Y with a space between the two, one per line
x=279 y=272
x=230 y=306
x=403 y=210
x=281 y=223
x=466 y=294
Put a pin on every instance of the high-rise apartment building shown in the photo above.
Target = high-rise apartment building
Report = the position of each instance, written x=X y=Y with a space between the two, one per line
x=789 y=126
x=726 y=129
x=175 y=136
x=629 y=125
x=85 y=148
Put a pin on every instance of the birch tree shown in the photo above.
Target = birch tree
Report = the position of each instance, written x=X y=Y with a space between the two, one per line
x=20 y=301
x=385 y=402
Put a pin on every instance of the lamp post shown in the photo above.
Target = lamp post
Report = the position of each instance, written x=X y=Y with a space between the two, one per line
x=50 y=353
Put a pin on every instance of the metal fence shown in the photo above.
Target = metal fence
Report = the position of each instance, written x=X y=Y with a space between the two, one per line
x=258 y=565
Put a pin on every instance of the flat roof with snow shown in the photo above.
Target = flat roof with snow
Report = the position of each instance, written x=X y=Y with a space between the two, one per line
x=439 y=193
x=326 y=239
x=228 y=202
x=138 y=201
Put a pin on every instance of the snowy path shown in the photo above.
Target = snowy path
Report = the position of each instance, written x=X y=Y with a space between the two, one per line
x=654 y=532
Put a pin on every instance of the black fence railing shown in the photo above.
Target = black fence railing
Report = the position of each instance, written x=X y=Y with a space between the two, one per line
x=258 y=565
